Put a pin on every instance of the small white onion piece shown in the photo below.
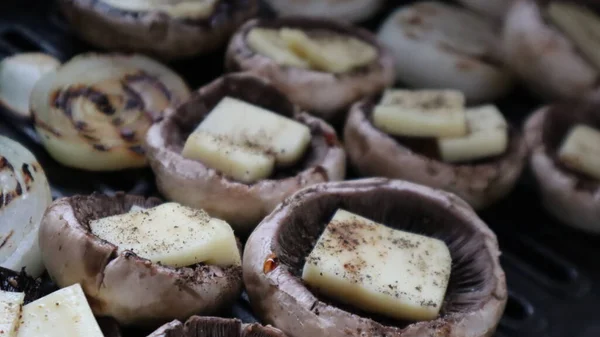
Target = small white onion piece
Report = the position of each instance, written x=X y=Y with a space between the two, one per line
x=18 y=75
x=94 y=111
x=24 y=197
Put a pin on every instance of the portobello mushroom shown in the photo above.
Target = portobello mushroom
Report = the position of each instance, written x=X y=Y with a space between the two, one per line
x=482 y=182
x=118 y=282
x=243 y=205
x=198 y=326
x=549 y=57
x=276 y=252
x=571 y=197
x=346 y=10
x=323 y=93
x=171 y=29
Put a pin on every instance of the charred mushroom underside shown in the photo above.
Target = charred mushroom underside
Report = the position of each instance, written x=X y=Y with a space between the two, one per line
x=215 y=327
x=375 y=153
x=33 y=288
x=569 y=196
x=322 y=93
x=276 y=252
x=156 y=32
x=192 y=183
x=543 y=55
x=125 y=286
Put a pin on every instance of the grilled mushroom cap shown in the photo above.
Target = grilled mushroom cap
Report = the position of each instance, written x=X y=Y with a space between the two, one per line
x=322 y=93
x=570 y=197
x=276 y=251
x=123 y=285
x=191 y=183
x=543 y=56
x=155 y=31
x=374 y=153
x=346 y=10
x=214 y=327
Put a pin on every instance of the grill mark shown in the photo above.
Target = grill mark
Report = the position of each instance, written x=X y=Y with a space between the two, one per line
x=138 y=149
x=100 y=147
x=28 y=177
x=62 y=100
x=18 y=189
x=143 y=77
x=5 y=164
x=10 y=234
x=127 y=135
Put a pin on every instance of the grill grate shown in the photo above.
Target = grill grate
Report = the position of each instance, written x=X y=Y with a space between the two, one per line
x=553 y=278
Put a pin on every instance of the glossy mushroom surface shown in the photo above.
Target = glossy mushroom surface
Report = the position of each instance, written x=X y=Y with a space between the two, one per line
x=374 y=153
x=323 y=94
x=191 y=183
x=123 y=285
x=276 y=252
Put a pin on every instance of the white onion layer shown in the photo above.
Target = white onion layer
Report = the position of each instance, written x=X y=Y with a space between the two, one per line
x=24 y=197
x=94 y=111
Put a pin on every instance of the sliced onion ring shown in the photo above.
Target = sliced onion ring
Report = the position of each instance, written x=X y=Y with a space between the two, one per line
x=94 y=111
x=18 y=75
x=24 y=197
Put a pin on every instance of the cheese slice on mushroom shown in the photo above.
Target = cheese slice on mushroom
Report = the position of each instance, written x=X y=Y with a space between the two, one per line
x=64 y=313
x=268 y=42
x=246 y=137
x=580 y=150
x=487 y=137
x=421 y=113
x=171 y=234
x=10 y=312
x=379 y=269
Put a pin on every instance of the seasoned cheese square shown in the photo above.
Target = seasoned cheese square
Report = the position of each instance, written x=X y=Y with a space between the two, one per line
x=580 y=150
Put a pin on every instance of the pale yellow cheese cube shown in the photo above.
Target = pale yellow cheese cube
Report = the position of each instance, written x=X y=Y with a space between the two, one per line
x=171 y=234
x=241 y=163
x=269 y=43
x=10 y=312
x=580 y=150
x=249 y=125
x=378 y=269
x=64 y=313
x=487 y=137
x=421 y=113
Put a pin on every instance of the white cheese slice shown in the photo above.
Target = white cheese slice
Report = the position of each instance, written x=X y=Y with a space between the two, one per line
x=171 y=234
x=249 y=125
x=10 y=312
x=421 y=113
x=487 y=137
x=64 y=313
x=269 y=43
x=242 y=163
x=580 y=150
x=378 y=269
x=329 y=52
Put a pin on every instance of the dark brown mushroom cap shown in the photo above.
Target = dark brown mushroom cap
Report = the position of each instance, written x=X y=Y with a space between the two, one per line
x=374 y=153
x=125 y=286
x=192 y=183
x=543 y=56
x=571 y=197
x=155 y=32
x=275 y=254
x=215 y=327
x=321 y=93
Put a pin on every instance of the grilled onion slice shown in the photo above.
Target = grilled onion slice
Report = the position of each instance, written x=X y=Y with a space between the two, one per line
x=24 y=197
x=94 y=111
x=18 y=75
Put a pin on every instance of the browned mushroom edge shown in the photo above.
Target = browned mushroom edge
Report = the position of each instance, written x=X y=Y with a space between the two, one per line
x=544 y=56
x=215 y=327
x=125 y=286
x=571 y=197
x=275 y=254
x=374 y=153
x=243 y=205
x=155 y=32
x=324 y=94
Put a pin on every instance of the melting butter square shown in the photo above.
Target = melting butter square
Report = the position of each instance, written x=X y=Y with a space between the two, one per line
x=378 y=269
x=421 y=113
x=171 y=234
x=487 y=137
x=64 y=313
x=580 y=150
